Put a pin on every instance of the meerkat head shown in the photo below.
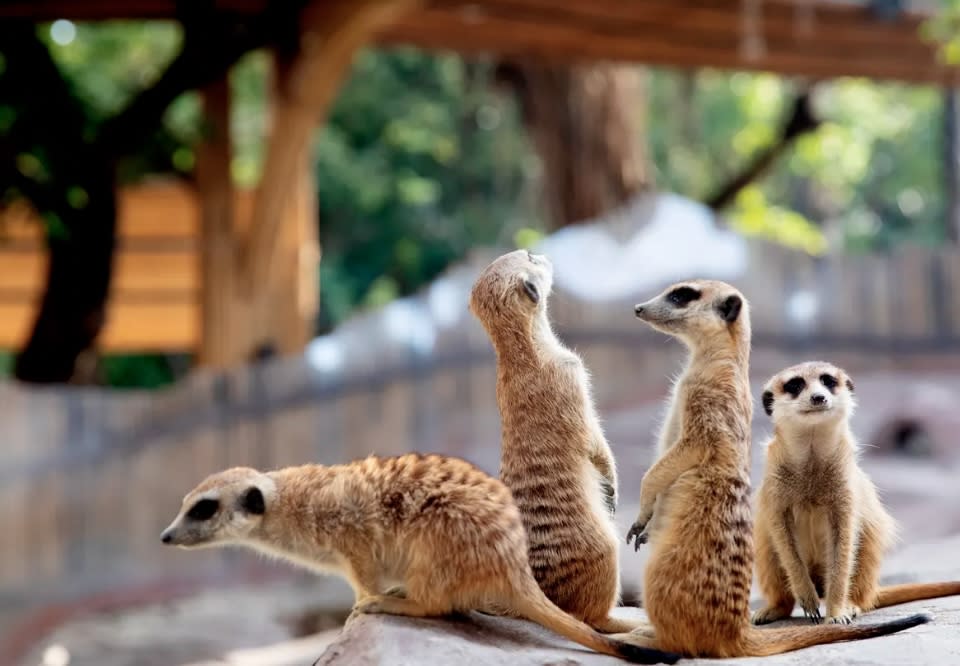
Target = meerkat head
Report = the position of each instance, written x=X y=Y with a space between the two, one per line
x=515 y=284
x=696 y=310
x=810 y=393
x=225 y=508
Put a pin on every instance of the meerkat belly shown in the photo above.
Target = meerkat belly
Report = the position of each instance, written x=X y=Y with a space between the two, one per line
x=701 y=561
x=812 y=529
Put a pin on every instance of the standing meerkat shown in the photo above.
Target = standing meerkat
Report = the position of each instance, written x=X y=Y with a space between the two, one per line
x=555 y=458
x=697 y=581
x=821 y=530
x=413 y=535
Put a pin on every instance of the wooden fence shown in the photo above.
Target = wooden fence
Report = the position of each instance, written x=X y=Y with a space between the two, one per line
x=89 y=477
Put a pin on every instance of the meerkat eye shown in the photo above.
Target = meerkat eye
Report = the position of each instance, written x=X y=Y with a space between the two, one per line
x=533 y=293
x=203 y=510
x=829 y=381
x=794 y=386
x=683 y=296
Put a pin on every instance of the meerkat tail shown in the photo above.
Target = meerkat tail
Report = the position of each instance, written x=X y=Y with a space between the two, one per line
x=767 y=642
x=892 y=595
x=535 y=606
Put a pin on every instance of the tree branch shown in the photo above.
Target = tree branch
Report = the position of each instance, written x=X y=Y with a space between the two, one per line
x=801 y=121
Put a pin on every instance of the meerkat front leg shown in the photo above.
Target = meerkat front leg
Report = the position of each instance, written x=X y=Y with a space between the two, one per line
x=390 y=605
x=841 y=564
x=658 y=479
x=603 y=462
x=784 y=539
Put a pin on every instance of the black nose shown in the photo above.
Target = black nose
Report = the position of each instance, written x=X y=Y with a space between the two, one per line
x=817 y=399
x=166 y=537
x=638 y=310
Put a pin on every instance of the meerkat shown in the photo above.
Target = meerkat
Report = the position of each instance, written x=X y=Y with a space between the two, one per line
x=697 y=580
x=414 y=535
x=821 y=530
x=555 y=458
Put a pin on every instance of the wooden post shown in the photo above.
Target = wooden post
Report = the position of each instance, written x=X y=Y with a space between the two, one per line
x=220 y=339
x=331 y=32
x=287 y=305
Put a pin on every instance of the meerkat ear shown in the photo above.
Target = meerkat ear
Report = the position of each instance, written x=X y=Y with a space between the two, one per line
x=252 y=501
x=768 y=402
x=531 y=288
x=729 y=308
x=850 y=385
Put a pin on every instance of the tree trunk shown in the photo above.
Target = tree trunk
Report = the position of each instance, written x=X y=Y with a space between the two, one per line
x=586 y=122
x=52 y=124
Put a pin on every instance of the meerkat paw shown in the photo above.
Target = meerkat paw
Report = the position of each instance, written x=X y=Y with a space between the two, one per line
x=769 y=614
x=839 y=619
x=811 y=608
x=398 y=591
x=638 y=534
x=842 y=615
x=387 y=605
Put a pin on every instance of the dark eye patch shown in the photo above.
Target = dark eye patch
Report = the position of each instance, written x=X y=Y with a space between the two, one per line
x=682 y=296
x=829 y=381
x=203 y=510
x=794 y=386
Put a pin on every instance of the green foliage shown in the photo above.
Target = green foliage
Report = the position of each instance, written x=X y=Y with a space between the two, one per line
x=870 y=177
x=419 y=162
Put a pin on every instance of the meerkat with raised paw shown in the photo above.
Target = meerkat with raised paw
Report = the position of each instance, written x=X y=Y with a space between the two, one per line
x=697 y=581
x=414 y=535
x=821 y=530
x=555 y=458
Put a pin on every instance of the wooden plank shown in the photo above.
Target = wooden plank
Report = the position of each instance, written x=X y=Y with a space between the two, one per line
x=156 y=210
x=133 y=271
x=130 y=327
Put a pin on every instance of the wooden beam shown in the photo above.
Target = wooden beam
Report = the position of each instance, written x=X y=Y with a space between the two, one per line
x=332 y=31
x=218 y=335
x=819 y=38
x=534 y=35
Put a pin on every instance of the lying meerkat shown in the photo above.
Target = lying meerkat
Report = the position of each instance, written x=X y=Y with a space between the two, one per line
x=555 y=458
x=821 y=530
x=697 y=581
x=443 y=534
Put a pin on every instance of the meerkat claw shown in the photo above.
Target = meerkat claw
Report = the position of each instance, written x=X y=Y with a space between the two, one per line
x=637 y=534
x=814 y=615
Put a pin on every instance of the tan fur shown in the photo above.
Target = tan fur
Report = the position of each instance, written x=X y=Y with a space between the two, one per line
x=821 y=529
x=414 y=535
x=697 y=581
x=555 y=458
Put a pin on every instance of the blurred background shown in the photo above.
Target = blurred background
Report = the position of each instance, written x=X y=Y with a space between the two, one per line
x=239 y=232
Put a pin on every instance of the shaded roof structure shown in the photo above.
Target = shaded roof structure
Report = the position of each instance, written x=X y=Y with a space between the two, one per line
x=814 y=38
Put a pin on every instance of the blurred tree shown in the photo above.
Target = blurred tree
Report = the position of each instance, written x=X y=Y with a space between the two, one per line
x=587 y=124
x=420 y=161
x=57 y=154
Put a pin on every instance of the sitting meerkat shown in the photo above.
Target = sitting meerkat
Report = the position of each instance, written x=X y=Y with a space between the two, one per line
x=697 y=581
x=413 y=535
x=555 y=458
x=821 y=530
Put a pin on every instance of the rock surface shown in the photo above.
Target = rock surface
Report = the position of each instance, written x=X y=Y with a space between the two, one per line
x=481 y=640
